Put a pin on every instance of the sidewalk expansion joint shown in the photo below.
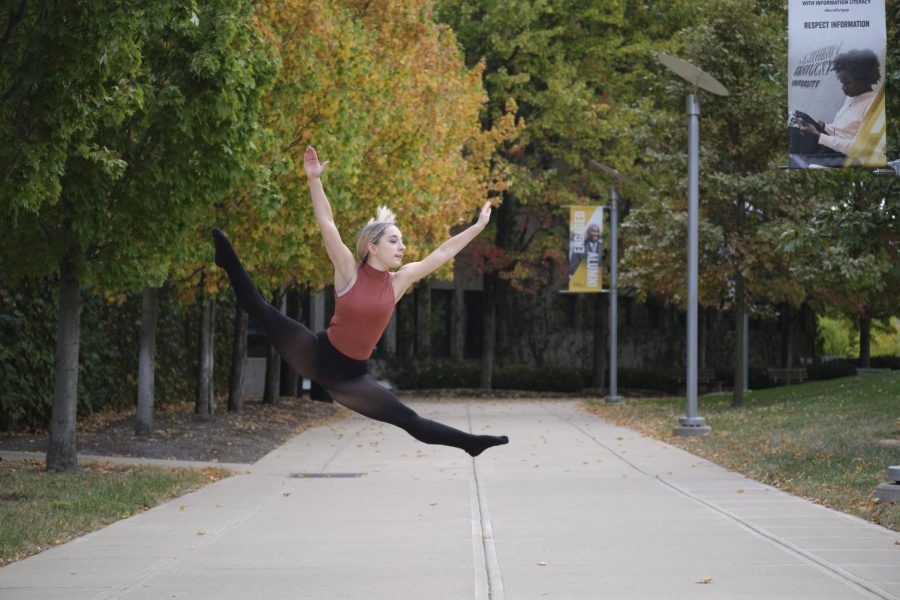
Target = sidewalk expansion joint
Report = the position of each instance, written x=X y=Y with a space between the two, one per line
x=325 y=475
x=831 y=569
x=488 y=583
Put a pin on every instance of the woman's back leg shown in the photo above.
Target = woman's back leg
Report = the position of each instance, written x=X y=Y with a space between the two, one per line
x=292 y=340
x=365 y=396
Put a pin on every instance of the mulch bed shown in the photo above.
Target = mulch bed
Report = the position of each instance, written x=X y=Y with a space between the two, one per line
x=242 y=437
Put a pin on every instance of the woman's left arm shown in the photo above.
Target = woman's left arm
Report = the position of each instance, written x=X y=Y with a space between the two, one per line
x=410 y=273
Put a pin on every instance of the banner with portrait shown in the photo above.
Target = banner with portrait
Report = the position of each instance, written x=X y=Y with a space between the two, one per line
x=585 y=248
x=836 y=53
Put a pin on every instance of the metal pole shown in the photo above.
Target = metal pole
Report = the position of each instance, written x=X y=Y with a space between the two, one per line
x=692 y=424
x=613 y=298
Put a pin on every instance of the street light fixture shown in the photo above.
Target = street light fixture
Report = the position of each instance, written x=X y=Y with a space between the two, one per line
x=613 y=396
x=692 y=424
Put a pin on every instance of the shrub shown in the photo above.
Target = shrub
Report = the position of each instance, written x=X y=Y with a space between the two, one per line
x=27 y=344
x=444 y=373
x=414 y=374
x=832 y=369
x=885 y=362
x=657 y=380
x=108 y=352
x=540 y=379
x=759 y=379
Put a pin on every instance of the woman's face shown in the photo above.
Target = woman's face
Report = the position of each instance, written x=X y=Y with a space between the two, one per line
x=593 y=232
x=389 y=249
x=850 y=85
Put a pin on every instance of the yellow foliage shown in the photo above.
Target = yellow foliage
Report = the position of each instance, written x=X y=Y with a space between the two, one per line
x=395 y=110
x=382 y=92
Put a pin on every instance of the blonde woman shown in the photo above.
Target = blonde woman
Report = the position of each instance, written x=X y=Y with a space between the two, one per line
x=366 y=291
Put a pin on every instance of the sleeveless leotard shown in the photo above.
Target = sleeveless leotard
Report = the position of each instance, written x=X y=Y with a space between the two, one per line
x=361 y=314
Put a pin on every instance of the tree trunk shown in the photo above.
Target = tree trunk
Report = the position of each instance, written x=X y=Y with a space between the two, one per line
x=406 y=330
x=809 y=318
x=457 y=320
x=423 y=319
x=289 y=376
x=865 y=341
x=598 y=379
x=273 y=362
x=740 y=308
x=389 y=337
x=61 y=454
x=490 y=331
x=786 y=337
x=238 y=360
x=702 y=330
x=143 y=423
x=205 y=388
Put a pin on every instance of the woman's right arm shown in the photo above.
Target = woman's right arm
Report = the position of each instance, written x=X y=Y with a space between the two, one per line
x=338 y=252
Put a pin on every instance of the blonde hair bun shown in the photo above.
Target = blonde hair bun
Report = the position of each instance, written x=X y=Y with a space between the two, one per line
x=383 y=215
x=372 y=232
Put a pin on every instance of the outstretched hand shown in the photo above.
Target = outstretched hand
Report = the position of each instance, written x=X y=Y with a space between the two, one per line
x=311 y=163
x=485 y=215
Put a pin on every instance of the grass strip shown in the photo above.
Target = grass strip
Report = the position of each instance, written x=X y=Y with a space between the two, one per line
x=39 y=509
x=827 y=441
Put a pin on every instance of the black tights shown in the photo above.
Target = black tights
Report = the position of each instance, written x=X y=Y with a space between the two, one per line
x=346 y=380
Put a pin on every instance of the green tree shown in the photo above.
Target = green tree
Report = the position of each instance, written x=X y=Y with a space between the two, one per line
x=846 y=252
x=578 y=73
x=159 y=103
x=741 y=44
x=66 y=72
x=844 y=246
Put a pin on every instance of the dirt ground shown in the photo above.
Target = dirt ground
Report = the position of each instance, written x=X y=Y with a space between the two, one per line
x=243 y=437
x=179 y=434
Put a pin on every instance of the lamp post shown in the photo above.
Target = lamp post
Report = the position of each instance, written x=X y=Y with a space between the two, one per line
x=613 y=396
x=692 y=424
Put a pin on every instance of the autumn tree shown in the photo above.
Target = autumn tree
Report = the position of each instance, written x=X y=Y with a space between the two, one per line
x=382 y=92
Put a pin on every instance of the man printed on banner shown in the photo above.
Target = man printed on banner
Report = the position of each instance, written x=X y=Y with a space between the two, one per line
x=585 y=248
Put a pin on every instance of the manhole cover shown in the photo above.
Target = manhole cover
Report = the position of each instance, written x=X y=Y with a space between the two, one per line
x=326 y=475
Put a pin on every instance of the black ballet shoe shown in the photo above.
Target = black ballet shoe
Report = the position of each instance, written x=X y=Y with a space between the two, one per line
x=225 y=254
x=485 y=442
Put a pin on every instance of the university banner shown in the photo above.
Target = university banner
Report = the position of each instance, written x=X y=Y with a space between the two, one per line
x=585 y=248
x=836 y=53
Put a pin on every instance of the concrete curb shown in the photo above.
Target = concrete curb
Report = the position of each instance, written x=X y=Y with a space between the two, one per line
x=131 y=460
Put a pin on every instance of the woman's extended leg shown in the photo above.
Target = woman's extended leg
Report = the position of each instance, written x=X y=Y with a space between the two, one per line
x=292 y=340
x=365 y=396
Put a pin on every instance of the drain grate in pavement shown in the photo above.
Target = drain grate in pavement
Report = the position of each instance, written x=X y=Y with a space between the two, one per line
x=326 y=475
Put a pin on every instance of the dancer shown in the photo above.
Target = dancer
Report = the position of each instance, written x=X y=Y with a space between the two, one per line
x=365 y=295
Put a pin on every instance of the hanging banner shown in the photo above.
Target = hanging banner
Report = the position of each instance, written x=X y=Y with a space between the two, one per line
x=585 y=248
x=836 y=53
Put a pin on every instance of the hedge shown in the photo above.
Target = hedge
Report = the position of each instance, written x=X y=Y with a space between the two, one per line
x=108 y=353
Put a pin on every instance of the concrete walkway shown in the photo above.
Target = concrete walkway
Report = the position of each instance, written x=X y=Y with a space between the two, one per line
x=574 y=508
